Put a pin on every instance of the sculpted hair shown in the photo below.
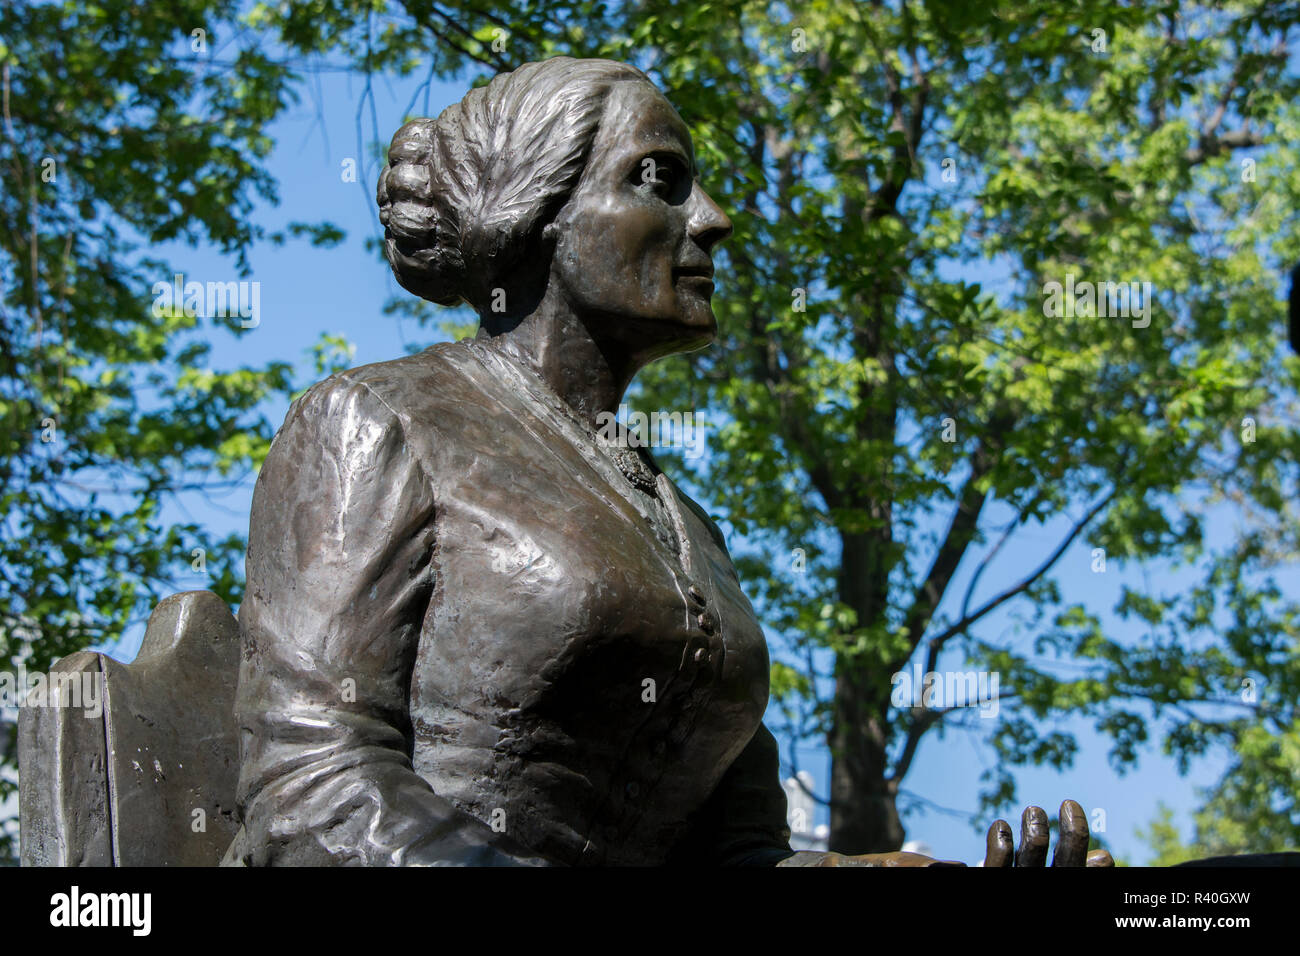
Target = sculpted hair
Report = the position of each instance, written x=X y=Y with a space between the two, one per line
x=465 y=195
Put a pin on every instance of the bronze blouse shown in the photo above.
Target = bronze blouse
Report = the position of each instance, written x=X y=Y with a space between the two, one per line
x=465 y=643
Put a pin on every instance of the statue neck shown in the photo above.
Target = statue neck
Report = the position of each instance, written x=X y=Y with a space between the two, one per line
x=590 y=376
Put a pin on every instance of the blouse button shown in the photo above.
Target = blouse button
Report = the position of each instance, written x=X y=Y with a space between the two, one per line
x=707 y=624
x=697 y=596
x=701 y=655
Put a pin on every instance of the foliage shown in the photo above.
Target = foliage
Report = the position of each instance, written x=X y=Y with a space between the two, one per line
x=124 y=126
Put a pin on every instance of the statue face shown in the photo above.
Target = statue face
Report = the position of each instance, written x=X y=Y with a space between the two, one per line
x=633 y=241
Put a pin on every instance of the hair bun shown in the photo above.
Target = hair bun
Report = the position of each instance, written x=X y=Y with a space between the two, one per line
x=421 y=233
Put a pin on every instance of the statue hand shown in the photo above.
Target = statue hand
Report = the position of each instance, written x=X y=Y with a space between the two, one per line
x=1071 y=845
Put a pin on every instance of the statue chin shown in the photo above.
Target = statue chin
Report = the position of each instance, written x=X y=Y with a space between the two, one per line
x=652 y=339
x=698 y=324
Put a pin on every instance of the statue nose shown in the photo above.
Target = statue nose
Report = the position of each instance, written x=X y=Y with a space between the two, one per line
x=709 y=225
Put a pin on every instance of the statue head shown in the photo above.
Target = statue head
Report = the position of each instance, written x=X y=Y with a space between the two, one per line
x=572 y=180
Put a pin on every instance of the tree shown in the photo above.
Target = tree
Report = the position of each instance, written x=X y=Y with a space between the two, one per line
x=123 y=126
x=1064 y=142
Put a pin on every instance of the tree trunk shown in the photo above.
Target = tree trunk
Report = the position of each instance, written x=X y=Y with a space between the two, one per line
x=864 y=813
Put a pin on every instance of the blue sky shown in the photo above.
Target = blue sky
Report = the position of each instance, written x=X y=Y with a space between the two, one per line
x=307 y=291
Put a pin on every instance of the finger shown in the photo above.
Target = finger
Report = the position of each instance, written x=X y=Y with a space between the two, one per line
x=1100 y=858
x=1034 y=837
x=1072 y=843
x=999 y=845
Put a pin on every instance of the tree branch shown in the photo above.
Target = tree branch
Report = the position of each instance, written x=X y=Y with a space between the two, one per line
x=969 y=619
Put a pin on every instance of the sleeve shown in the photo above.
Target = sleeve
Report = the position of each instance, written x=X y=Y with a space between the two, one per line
x=744 y=821
x=340 y=574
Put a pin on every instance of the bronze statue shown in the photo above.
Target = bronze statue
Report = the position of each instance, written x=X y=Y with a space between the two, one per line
x=479 y=629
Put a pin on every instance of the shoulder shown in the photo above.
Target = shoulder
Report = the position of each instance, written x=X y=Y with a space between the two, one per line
x=364 y=428
x=389 y=393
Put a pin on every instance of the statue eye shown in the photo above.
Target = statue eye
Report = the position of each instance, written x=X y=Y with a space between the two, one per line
x=664 y=174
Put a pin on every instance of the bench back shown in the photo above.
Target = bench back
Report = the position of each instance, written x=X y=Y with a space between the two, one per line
x=150 y=779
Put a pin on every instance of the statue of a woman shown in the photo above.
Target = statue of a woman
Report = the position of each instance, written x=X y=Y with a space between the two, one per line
x=477 y=627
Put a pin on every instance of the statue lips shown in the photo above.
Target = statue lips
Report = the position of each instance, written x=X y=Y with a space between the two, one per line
x=696 y=276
